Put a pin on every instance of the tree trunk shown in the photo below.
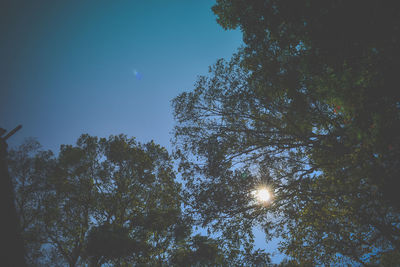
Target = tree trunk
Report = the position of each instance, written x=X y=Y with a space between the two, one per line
x=11 y=241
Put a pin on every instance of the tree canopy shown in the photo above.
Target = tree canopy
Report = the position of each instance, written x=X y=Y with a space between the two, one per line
x=109 y=201
x=309 y=107
x=103 y=200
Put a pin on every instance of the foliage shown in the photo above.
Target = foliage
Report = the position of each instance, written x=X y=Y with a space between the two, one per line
x=108 y=201
x=106 y=243
x=308 y=107
x=27 y=166
x=115 y=190
x=201 y=251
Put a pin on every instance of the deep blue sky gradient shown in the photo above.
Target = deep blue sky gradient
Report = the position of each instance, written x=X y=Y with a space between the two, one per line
x=68 y=67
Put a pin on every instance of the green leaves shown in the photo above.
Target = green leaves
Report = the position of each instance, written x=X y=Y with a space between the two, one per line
x=101 y=200
x=112 y=242
x=309 y=105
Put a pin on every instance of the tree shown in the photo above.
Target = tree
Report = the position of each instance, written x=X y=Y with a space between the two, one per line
x=28 y=167
x=13 y=251
x=308 y=103
x=205 y=251
x=101 y=189
x=201 y=251
x=108 y=201
x=140 y=196
x=107 y=243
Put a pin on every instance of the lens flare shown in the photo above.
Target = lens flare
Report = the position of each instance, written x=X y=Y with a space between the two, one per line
x=137 y=74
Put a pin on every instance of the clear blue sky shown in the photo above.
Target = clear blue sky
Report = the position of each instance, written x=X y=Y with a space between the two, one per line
x=68 y=67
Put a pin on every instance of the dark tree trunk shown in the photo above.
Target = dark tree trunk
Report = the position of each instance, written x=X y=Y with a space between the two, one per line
x=11 y=240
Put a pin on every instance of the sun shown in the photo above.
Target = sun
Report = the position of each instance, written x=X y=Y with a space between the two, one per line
x=262 y=195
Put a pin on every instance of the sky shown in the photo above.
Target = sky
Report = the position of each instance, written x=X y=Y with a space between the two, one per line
x=103 y=67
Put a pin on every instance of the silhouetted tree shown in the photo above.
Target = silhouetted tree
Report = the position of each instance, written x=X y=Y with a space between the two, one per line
x=106 y=201
x=29 y=166
x=12 y=251
x=116 y=182
x=310 y=102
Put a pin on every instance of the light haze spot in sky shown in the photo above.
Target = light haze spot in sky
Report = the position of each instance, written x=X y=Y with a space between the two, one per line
x=137 y=74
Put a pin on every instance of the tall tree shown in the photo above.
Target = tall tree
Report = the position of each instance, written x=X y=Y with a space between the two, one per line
x=140 y=195
x=28 y=166
x=311 y=104
x=13 y=251
x=115 y=185
x=109 y=201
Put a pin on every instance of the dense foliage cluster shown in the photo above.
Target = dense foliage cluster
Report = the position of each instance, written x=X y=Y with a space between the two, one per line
x=107 y=201
x=311 y=105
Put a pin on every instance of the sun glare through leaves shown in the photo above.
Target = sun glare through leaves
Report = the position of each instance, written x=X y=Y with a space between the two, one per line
x=262 y=195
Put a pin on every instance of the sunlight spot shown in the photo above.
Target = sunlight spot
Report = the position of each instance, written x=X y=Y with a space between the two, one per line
x=262 y=195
